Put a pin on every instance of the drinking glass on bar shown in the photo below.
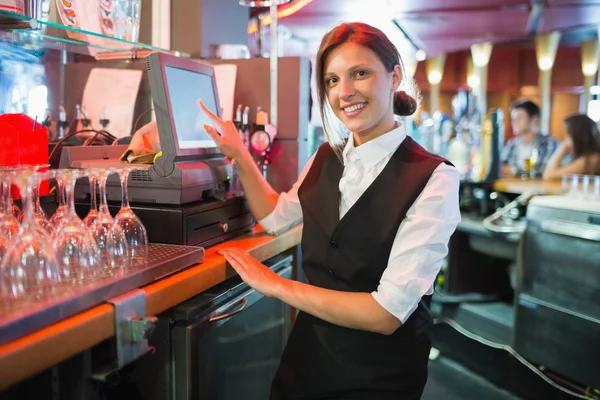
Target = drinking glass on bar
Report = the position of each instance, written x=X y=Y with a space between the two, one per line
x=126 y=14
x=29 y=267
x=75 y=247
x=109 y=236
x=133 y=229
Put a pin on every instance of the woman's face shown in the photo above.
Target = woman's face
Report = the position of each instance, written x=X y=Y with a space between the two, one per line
x=361 y=91
x=568 y=142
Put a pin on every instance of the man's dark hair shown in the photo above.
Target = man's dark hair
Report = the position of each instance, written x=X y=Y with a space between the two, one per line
x=529 y=107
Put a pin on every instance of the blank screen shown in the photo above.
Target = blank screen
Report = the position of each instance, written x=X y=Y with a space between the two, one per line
x=185 y=89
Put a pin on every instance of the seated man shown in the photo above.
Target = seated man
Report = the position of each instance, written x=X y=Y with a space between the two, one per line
x=529 y=151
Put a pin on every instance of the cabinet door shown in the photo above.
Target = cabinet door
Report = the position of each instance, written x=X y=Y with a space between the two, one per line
x=233 y=353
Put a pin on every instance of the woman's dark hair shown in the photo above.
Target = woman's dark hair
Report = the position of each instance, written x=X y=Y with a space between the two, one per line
x=584 y=134
x=373 y=39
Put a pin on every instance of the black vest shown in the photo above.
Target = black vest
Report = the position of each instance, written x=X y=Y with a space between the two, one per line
x=323 y=360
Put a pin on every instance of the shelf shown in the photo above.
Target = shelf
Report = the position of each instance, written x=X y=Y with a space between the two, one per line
x=35 y=34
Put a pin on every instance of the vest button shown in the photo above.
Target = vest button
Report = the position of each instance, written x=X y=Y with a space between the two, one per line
x=330 y=272
x=334 y=244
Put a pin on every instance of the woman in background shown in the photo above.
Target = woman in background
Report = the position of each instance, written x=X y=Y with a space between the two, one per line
x=581 y=144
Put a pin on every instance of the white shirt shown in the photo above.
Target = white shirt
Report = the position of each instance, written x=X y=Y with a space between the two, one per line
x=421 y=242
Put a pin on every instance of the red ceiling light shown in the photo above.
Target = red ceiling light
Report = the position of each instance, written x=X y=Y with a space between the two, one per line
x=285 y=11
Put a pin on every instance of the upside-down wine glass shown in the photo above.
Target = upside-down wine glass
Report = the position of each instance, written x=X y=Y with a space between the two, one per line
x=109 y=236
x=29 y=267
x=133 y=229
x=75 y=247
x=9 y=225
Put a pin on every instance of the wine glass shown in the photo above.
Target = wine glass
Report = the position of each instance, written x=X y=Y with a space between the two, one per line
x=109 y=236
x=39 y=218
x=30 y=265
x=133 y=229
x=8 y=206
x=9 y=224
x=38 y=213
x=75 y=247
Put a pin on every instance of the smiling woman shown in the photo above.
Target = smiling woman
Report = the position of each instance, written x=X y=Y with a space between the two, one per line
x=356 y=70
x=378 y=212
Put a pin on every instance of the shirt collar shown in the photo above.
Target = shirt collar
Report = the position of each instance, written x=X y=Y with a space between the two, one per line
x=536 y=139
x=374 y=150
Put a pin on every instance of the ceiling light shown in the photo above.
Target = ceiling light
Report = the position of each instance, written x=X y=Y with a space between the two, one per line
x=285 y=11
x=545 y=63
x=262 y=3
x=435 y=77
x=420 y=55
x=473 y=81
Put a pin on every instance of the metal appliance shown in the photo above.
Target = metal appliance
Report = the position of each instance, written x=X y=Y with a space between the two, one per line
x=224 y=344
x=557 y=322
x=483 y=168
x=24 y=315
x=185 y=196
x=190 y=167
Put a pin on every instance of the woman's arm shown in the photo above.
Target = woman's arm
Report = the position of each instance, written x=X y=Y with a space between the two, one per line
x=260 y=195
x=420 y=245
x=554 y=170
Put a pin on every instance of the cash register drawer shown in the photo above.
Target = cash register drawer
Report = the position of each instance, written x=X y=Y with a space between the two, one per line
x=196 y=224
x=216 y=223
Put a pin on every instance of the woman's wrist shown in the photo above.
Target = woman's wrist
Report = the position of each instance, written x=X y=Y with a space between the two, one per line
x=244 y=160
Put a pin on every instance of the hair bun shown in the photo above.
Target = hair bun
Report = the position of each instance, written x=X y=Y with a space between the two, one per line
x=404 y=105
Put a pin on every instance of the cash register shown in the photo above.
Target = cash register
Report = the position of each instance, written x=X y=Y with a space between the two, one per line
x=185 y=196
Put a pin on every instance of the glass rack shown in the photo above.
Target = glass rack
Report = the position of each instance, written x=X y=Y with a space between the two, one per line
x=35 y=34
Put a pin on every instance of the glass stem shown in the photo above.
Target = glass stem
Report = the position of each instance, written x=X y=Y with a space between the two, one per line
x=36 y=195
x=5 y=197
x=70 y=194
x=93 y=194
x=103 y=202
x=27 y=203
x=125 y=199
x=61 y=192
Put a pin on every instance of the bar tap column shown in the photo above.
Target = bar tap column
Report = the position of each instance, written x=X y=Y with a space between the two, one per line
x=545 y=49
x=435 y=72
x=274 y=56
x=589 y=67
x=480 y=53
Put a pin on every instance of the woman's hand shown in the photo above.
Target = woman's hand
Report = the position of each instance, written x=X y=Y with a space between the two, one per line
x=226 y=136
x=566 y=146
x=260 y=277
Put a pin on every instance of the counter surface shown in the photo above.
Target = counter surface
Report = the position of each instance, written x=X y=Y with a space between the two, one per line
x=520 y=186
x=31 y=354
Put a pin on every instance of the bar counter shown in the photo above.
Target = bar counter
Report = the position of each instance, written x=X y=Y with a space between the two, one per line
x=33 y=353
x=520 y=186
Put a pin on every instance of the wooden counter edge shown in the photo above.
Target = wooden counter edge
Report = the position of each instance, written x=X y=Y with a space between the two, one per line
x=519 y=186
x=40 y=350
x=170 y=291
x=31 y=354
